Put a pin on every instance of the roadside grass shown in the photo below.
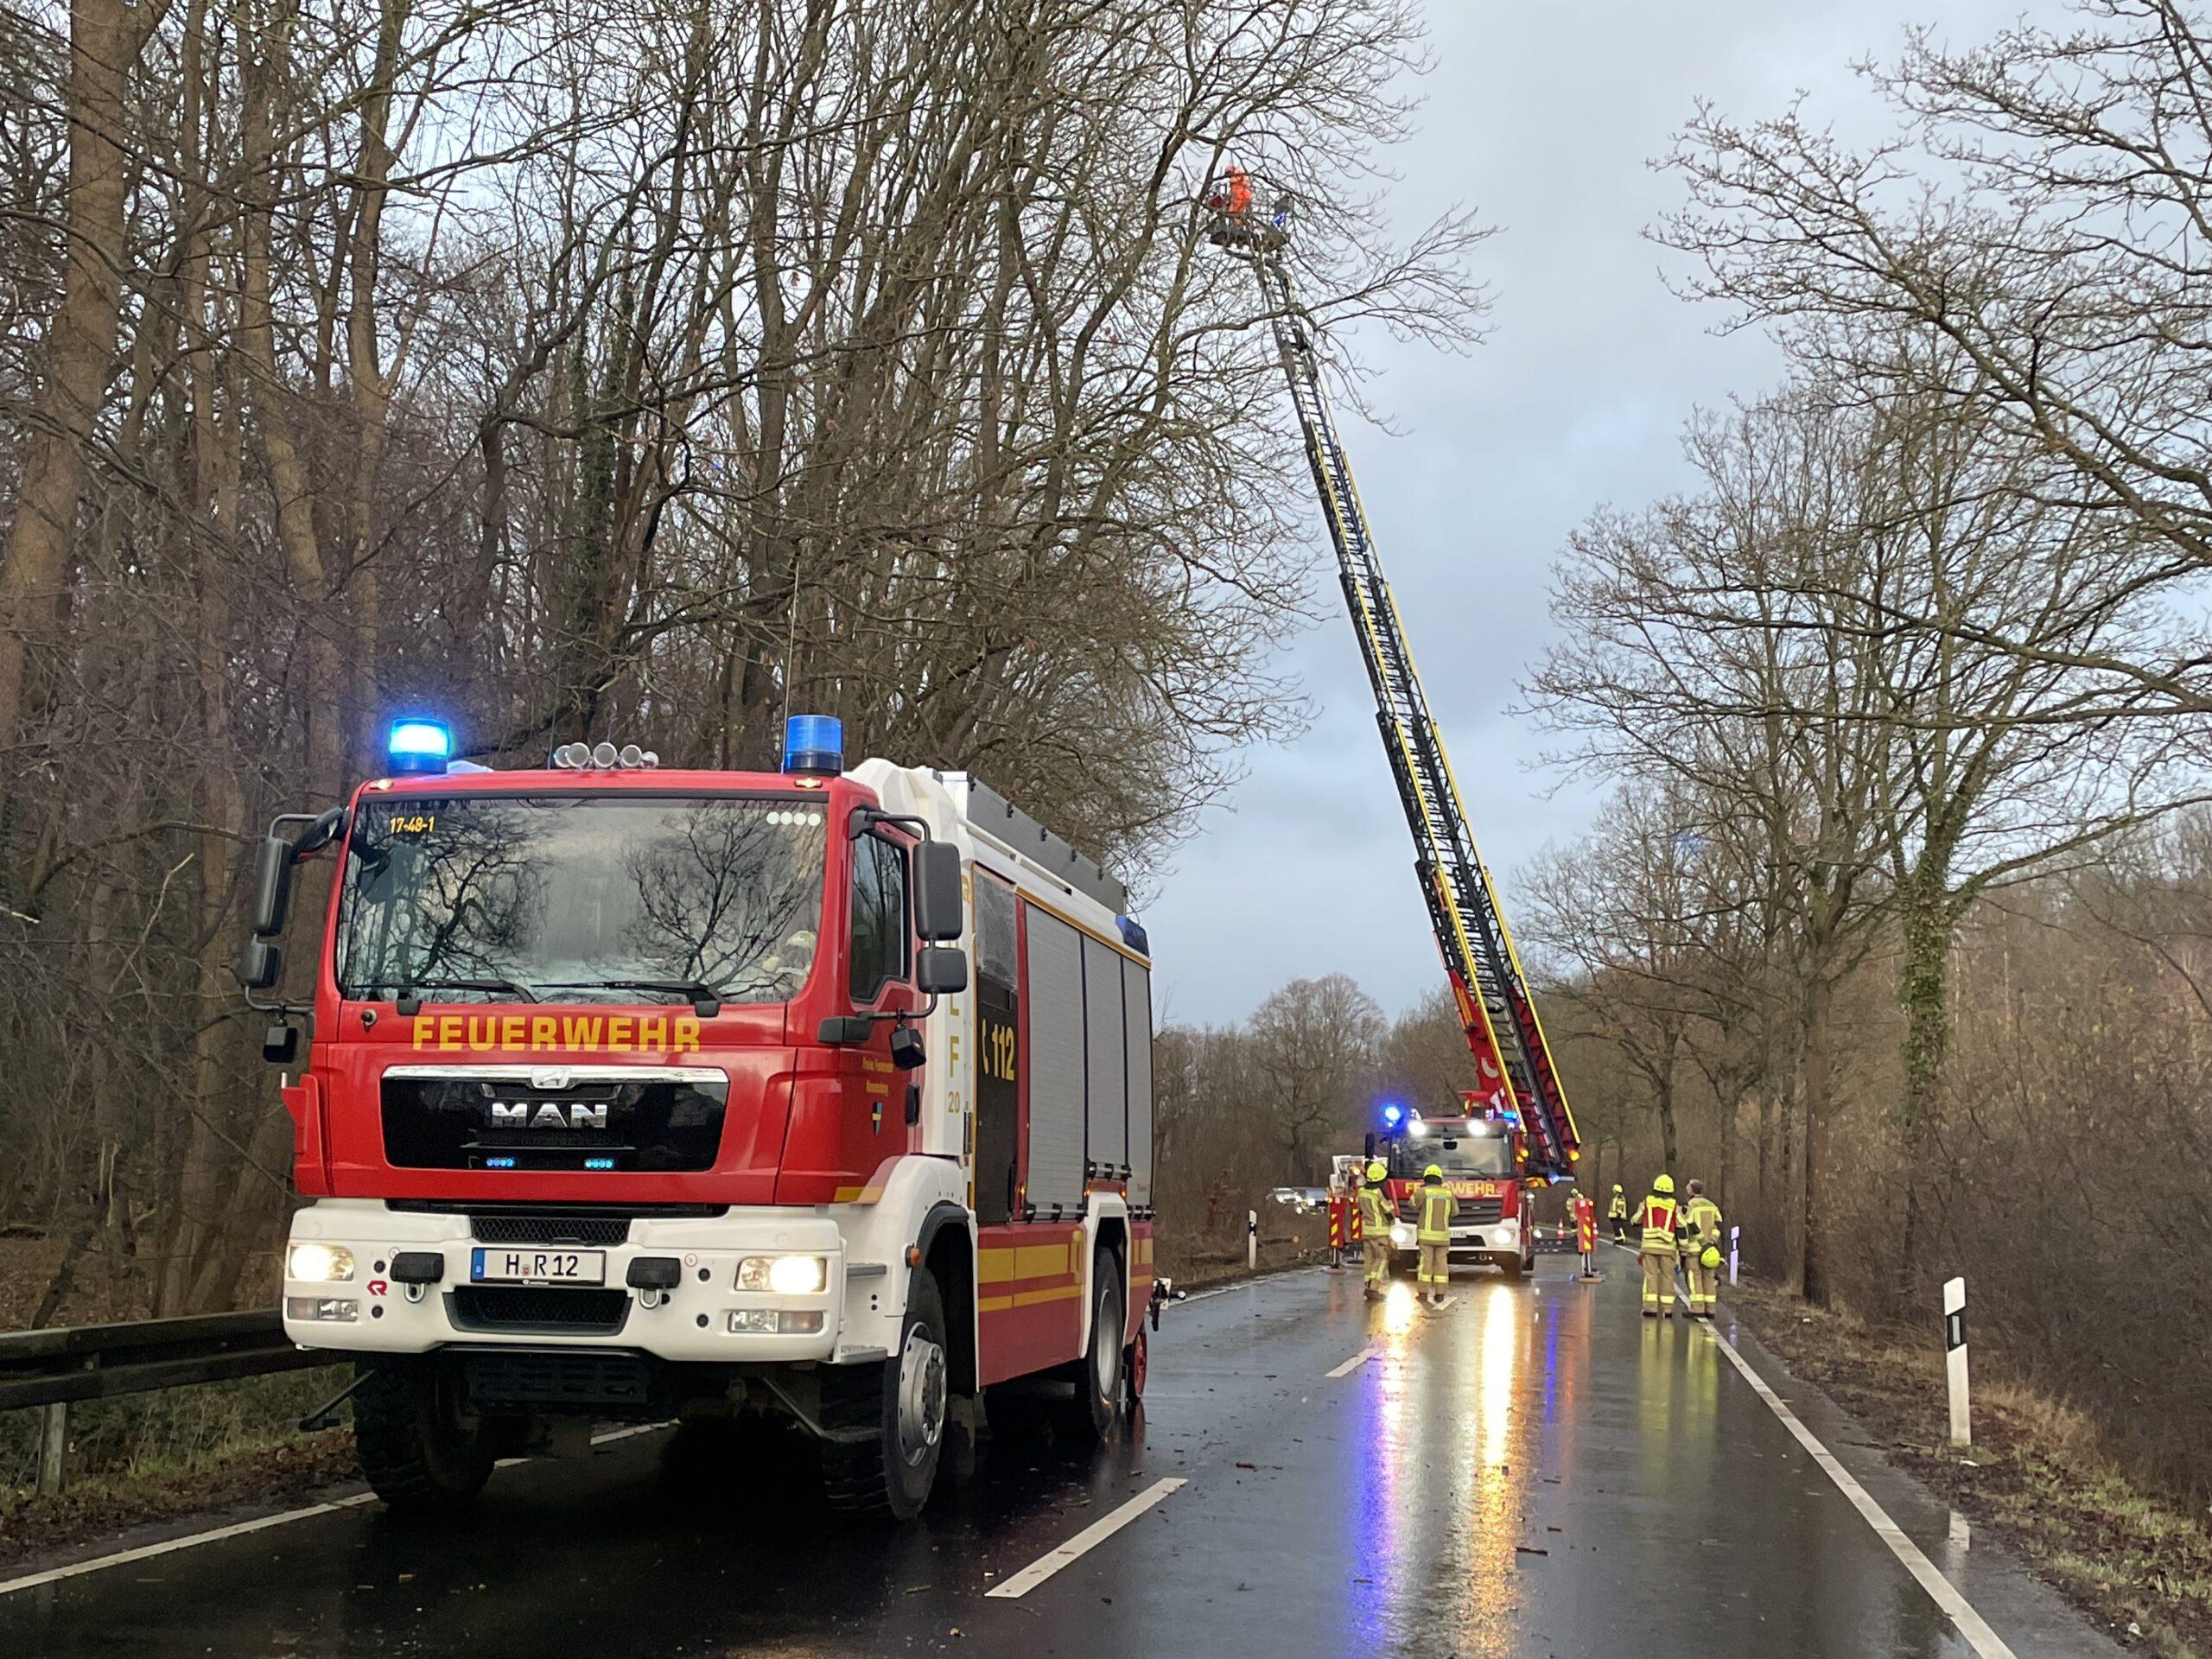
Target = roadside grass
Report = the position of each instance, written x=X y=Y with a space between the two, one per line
x=2038 y=1477
x=155 y=1457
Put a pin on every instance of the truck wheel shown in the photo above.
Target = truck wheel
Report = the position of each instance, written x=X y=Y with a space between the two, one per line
x=415 y=1451
x=1098 y=1386
x=1511 y=1266
x=888 y=1475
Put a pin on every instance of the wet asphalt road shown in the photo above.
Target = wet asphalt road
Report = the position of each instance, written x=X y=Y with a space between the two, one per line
x=1532 y=1471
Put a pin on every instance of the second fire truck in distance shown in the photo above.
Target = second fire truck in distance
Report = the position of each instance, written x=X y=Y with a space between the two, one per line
x=1483 y=1159
x=630 y=1093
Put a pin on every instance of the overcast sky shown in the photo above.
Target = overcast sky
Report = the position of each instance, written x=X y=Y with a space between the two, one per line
x=1544 y=117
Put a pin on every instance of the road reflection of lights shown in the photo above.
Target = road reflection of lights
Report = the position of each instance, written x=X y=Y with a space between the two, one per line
x=1501 y=1341
x=1400 y=1309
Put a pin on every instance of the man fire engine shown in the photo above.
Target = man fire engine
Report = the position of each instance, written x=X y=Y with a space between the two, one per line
x=634 y=1093
x=1481 y=1163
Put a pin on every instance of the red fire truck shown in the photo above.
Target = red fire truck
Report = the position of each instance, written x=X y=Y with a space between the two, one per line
x=1484 y=1155
x=632 y=1093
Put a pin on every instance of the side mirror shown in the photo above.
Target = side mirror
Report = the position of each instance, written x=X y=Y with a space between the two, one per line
x=937 y=894
x=940 y=970
x=261 y=965
x=272 y=885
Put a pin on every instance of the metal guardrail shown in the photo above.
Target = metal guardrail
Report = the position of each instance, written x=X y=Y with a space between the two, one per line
x=51 y=1369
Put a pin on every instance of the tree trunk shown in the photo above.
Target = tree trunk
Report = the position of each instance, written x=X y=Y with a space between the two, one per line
x=104 y=38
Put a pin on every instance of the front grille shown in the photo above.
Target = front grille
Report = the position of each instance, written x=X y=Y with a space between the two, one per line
x=550 y=1226
x=1481 y=1210
x=653 y=1121
x=613 y=1382
x=539 y=1308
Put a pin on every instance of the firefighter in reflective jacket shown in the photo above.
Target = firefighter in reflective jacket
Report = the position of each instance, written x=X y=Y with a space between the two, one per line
x=1662 y=1227
x=1434 y=1234
x=1584 y=1216
x=1701 y=1236
x=1616 y=1213
x=1374 y=1226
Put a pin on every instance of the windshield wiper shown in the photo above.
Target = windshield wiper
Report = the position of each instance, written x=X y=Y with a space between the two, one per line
x=410 y=1000
x=705 y=1001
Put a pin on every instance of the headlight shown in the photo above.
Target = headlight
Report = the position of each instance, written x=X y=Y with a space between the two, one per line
x=1401 y=1236
x=786 y=1275
x=319 y=1264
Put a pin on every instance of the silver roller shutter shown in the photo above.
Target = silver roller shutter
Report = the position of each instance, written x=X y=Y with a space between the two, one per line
x=1055 y=1007
x=1108 y=1144
x=1136 y=991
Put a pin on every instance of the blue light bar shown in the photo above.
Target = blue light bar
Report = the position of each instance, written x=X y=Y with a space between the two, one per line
x=598 y=1163
x=814 y=743
x=418 y=745
x=498 y=1163
x=1392 y=1115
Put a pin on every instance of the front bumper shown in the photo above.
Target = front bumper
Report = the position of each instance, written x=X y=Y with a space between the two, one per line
x=690 y=1324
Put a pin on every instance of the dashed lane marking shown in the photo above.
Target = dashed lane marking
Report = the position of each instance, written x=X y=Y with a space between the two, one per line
x=239 y=1530
x=1353 y=1364
x=1083 y=1543
x=1985 y=1642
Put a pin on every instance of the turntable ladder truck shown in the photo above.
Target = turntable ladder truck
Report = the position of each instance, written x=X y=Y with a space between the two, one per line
x=1489 y=984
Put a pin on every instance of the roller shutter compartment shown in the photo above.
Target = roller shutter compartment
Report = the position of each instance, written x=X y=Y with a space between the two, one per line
x=1107 y=1148
x=1055 y=1010
x=1136 y=991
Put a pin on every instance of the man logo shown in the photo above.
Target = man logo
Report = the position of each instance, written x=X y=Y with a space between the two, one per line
x=546 y=1114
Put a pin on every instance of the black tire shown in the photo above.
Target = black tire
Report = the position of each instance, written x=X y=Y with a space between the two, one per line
x=1512 y=1266
x=416 y=1450
x=887 y=1475
x=1099 y=1382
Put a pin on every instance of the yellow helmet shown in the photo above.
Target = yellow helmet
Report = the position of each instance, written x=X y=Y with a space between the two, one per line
x=1433 y=1173
x=1710 y=1256
x=1616 y=1186
x=1664 y=1184
x=1378 y=1171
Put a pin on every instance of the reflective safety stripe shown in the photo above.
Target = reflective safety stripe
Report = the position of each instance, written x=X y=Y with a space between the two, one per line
x=1436 y=1207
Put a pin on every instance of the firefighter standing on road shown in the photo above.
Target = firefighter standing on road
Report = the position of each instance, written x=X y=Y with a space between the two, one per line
x=1660 y=1221
x=1616 y=1212
x=1434 y=1234
x=1374 y=1226
x=1701 y=1250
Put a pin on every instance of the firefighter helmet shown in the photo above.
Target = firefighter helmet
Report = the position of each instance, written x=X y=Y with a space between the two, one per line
x=1664 y=1184
x=1378 y=1171
x=1710 y=1256
x=1433 y=1173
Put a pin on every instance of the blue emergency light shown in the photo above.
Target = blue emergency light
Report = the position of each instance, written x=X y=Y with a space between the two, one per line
x=418 y=745
x=814 y=743
x=1393 y=1113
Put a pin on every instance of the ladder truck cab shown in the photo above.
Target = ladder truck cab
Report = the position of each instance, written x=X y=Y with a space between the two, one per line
x=822 y=1096
x=1483 y=1156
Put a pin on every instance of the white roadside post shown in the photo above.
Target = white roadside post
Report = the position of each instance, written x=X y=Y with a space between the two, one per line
x=1954 y=1357
x=1251 y=1240
x=1735 y=1244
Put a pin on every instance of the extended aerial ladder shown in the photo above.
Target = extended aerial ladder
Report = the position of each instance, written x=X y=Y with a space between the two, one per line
x=1488 y=982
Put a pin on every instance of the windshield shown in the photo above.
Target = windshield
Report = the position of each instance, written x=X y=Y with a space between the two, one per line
x=556 y=898
x=1460 y=1156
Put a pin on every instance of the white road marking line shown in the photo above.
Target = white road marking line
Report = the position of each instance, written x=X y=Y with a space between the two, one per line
x=123 y=1557
x=238 y=1529
x=1083 y=1543
x=1353 y=1364
x=1984 y=1641
x=1240 y=1284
